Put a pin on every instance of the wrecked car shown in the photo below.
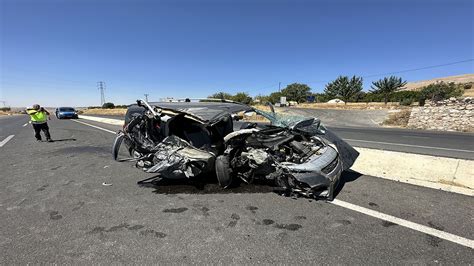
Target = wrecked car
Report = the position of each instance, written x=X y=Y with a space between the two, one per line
x=180 y=140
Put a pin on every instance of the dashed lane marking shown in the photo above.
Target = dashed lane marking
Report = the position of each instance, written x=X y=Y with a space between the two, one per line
x=25 y=124
x=411 y=225
x=6 y=140
x=87 y=124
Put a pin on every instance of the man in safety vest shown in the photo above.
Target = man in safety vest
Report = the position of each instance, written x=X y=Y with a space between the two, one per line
x=38 y=117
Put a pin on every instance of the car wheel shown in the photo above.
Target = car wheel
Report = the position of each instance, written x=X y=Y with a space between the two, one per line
x=223 y=171
x=116 y=147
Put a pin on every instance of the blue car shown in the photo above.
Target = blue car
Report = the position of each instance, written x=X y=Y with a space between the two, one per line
x=66 y=112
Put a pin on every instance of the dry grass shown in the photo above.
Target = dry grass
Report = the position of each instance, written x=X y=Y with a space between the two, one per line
x=398 y=119
x=415 y=85
x=469 y=92
x=349 y=106
x=118 y=111
x=6 y=113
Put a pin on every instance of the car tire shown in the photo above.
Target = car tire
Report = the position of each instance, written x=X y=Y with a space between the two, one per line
x=116 y=146
x=223 y=171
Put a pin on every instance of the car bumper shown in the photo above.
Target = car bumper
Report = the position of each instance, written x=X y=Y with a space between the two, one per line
x=67 y=115
x=320 y=176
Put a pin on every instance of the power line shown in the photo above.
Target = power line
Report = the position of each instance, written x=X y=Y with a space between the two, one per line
x=406 y=70
x=420 y=68
x=400 y=71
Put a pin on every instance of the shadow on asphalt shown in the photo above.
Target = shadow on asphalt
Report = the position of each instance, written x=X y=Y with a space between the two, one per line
x=209 y=185
x=346 y=177
x=59 y=140
x=200 y=185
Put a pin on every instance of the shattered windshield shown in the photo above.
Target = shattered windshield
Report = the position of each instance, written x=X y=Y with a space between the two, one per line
x=303 y=123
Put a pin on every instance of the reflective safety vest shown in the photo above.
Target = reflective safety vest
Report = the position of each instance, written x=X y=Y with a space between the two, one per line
x=37 y=117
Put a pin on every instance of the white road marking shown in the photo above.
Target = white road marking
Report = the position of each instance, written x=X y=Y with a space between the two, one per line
x=106 y=130
x=6 y=140
x=409 y=145
x=411 y=225
x=25 y=124
x=414 y=137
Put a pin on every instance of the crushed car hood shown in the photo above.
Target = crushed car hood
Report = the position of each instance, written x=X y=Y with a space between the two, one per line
x=313 y=126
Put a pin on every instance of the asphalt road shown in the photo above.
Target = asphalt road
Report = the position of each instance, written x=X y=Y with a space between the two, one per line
x=55 y=209
x=361 y=128
x=342 y=117
x=436 y=143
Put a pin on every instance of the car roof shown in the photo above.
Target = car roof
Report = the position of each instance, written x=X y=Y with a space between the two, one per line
x=205 y=111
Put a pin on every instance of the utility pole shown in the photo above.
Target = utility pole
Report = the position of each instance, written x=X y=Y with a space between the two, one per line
x=279 y=86
x=146 y=97
x=101 y=87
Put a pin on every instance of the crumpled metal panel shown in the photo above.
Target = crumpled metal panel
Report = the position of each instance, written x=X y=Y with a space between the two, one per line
x=347 y=153
x=175 y=158
x=315 y=162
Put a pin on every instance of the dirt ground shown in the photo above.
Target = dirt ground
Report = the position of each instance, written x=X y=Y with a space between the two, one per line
x=6 y=113
x=117 y=111
x=349 y=106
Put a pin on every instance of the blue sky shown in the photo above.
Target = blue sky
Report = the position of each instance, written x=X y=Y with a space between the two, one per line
x=53 y=52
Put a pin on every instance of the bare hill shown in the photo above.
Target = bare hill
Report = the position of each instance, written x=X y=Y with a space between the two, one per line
x=466 y=78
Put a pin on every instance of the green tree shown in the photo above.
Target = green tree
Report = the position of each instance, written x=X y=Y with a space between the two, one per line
x=108 y=106
x=296 y=92
x=387 y=86
x=344 y=88
x=321 y=97
x=359 y=97
x=242 y=97
x=274 y=97
x=441 y=90
x=221 y=95
x=263 y=99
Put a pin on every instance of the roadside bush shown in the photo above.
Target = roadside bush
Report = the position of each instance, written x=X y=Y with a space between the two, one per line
x=242 y=97
x=274 y=97
x=5 y=109
x=108 y=106
x=441 y=90
x=407 y=101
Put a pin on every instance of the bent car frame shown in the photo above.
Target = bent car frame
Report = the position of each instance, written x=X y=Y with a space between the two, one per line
x=180 y=140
